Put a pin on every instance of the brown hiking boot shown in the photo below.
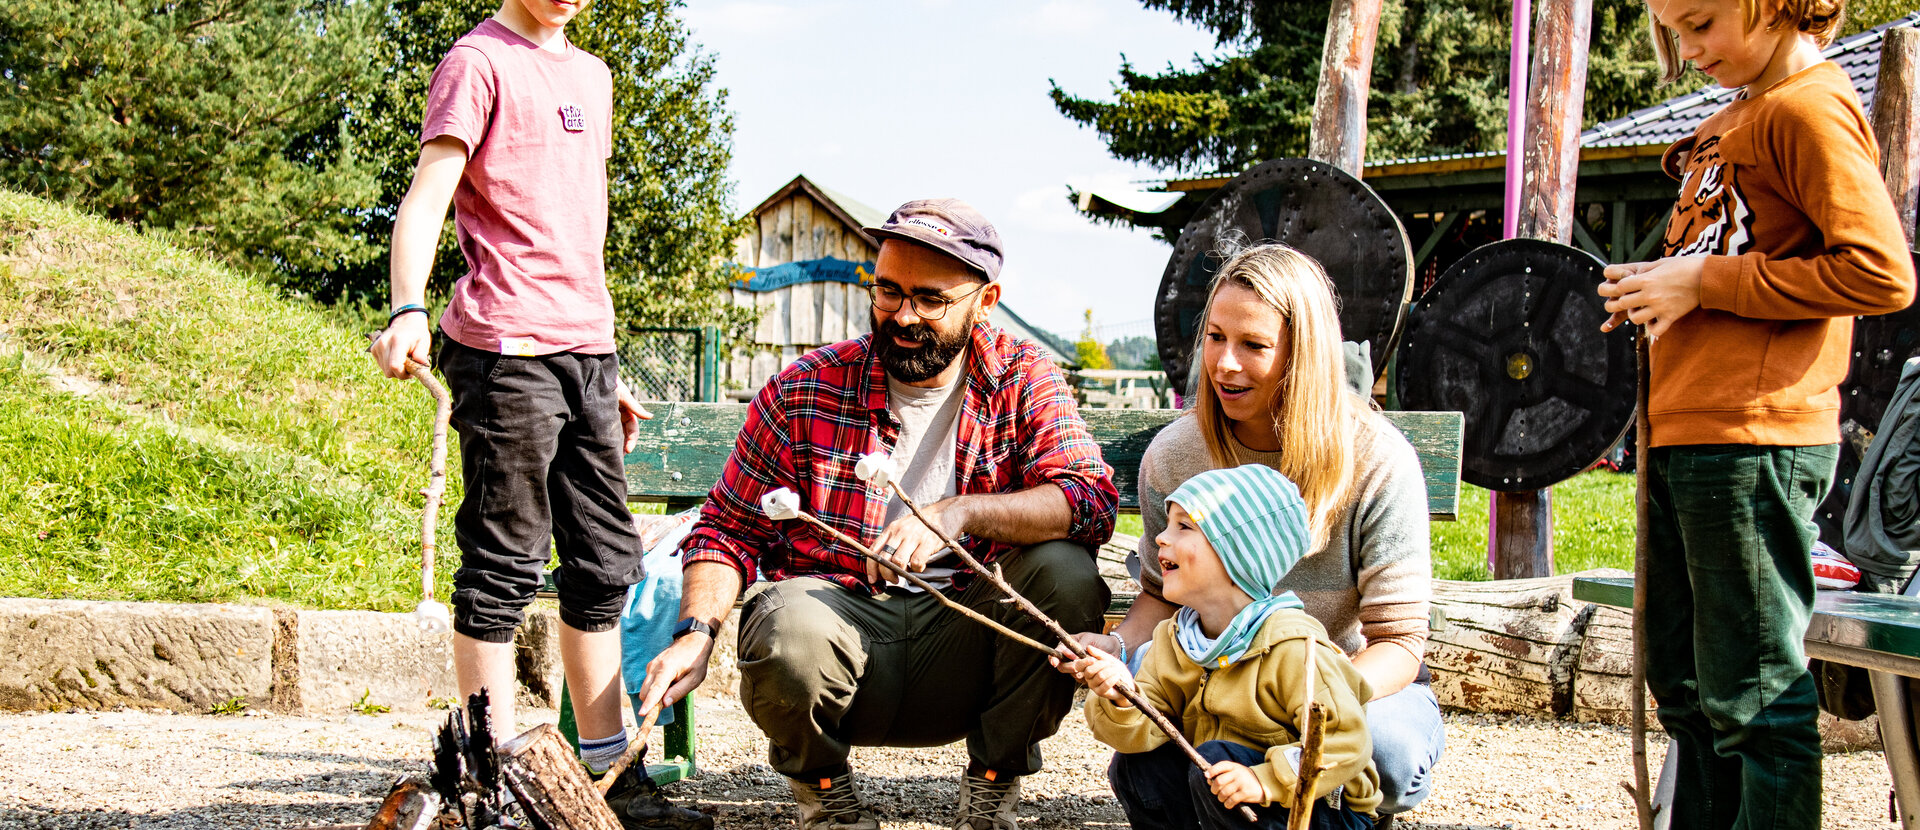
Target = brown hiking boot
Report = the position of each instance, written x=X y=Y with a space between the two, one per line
x=640 y=804
x=988 y=802
x=832 y=804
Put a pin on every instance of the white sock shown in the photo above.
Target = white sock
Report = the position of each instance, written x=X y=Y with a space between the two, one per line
x=600 y=754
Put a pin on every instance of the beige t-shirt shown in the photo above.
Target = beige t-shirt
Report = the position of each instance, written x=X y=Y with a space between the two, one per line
x=929 y=420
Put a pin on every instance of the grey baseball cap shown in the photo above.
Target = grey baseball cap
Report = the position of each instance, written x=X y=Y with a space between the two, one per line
x=949 y=226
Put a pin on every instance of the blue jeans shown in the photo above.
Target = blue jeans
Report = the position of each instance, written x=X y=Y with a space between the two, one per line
x=1161 y=788
x=1408 y=738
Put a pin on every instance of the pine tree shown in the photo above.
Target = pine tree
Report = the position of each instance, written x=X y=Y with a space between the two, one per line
x=221 y=120
x=1439 y=81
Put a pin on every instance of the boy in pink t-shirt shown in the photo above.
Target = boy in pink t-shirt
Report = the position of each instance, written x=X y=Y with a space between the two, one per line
x=517 y=131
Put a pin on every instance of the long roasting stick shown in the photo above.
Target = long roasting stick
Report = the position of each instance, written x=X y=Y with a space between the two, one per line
x=433 y=616
x=1641 y=789
x=633 y=754
x=877 y=468
x=782 y=504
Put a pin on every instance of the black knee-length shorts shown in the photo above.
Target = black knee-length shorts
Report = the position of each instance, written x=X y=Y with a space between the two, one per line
x=541 y=458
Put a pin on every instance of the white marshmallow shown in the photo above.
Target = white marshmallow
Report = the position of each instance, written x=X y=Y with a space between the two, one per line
x=780 y=505
x=433 y=616
x=877 y=469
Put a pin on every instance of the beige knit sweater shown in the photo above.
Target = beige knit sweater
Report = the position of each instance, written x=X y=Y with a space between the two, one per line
x=1371 y=582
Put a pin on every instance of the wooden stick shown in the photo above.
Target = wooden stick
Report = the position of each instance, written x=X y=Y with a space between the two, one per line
x=929 y=588
x=437 y=471
x=1132 y=695
x=633 y=753
x=1312 y=734
x=1643 y=527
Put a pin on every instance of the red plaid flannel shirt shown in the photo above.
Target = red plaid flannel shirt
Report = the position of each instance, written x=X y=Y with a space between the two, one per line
x=1018 y=429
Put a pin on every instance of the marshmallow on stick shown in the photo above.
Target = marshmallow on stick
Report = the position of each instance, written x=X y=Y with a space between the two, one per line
x=784 y=505
x=781 y=505
x=877 y=469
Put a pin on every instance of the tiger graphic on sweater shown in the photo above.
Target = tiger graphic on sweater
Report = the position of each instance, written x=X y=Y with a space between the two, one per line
x=1711 y=217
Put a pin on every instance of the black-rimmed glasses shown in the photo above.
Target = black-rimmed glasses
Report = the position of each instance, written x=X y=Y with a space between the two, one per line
x=926 y=306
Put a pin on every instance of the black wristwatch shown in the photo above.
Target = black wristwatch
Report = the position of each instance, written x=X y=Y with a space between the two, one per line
x=690 y=625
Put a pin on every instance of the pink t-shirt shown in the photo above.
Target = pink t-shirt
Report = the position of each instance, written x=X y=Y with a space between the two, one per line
x=531 y=208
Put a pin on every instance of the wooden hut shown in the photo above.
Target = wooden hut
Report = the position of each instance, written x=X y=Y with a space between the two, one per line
x=807 y=265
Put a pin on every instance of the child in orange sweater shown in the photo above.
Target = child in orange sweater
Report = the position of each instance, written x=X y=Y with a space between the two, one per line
x=1783 y=231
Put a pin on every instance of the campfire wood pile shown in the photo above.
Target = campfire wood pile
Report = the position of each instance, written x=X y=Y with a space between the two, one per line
x=532 y=781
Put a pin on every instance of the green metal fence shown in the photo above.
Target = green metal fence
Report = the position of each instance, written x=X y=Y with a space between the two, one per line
x=671 y=364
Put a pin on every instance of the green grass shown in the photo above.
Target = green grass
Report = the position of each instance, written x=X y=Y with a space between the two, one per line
x=1592 y=528
x=173 y=430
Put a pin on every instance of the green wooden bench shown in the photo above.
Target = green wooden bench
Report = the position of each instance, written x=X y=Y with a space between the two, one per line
x=683 y=449
x=1878 y=632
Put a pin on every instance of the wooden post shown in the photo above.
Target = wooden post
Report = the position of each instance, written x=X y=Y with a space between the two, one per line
x=1894 y=129
x=1893 y=123
x=1339 y=134
x=1556 y=93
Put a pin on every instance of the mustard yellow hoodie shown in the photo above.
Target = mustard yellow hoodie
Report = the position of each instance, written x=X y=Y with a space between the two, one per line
x=1256 y=702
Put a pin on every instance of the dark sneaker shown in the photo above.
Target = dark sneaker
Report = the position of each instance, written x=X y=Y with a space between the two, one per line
x=988 y=802
x=642 y=806
x=832 y=804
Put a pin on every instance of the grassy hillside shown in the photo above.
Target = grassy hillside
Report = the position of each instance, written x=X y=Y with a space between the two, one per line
x=172 y=430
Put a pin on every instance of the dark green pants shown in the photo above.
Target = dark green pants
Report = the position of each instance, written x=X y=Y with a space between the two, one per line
x=1729 y=594
x=824 y=668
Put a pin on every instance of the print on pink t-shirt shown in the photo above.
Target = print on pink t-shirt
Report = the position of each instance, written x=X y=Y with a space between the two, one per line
x=531 y=208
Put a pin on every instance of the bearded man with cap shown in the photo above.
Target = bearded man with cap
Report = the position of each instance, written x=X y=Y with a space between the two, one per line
x=836 y=652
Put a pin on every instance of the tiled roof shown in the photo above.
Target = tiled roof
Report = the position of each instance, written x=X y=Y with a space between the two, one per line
x=1677 y=118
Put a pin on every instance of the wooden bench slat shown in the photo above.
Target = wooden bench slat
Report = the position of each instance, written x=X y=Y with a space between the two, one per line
x=683 y=450
x=1847 y=627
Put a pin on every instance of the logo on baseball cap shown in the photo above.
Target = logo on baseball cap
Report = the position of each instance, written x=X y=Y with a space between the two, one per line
x=949 y=226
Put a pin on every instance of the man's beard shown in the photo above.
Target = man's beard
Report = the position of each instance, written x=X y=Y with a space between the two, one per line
x=932 y=357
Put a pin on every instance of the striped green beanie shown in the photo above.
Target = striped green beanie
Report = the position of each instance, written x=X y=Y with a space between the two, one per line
x=1255 y=520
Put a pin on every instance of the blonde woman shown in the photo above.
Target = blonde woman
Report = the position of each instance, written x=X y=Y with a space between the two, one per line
x=1272 y=390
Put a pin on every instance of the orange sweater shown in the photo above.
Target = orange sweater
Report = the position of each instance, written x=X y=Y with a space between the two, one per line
x=1782 y=193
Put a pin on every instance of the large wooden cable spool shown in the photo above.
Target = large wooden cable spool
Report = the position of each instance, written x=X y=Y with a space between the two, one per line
x=1510 y=336
x=1313 y=207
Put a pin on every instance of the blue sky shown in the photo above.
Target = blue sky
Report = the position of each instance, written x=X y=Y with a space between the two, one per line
x=891 y=101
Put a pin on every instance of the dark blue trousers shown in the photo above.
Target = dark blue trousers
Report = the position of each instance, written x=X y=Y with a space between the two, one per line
x=1163 y=789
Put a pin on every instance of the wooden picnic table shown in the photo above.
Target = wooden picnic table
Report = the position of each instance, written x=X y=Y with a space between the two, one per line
x=1877 y=632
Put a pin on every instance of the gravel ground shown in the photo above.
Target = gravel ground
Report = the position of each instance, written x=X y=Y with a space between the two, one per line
x=154 y=770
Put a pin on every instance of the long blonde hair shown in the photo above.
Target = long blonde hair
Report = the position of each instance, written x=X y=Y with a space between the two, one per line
x=1315 y=416
x=1820 y=19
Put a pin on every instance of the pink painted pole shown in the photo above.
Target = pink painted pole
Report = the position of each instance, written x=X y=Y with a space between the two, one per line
x=1516 y=114
x=1510 y=217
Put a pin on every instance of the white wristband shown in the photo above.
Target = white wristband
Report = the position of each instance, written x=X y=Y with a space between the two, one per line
x=1122 y=654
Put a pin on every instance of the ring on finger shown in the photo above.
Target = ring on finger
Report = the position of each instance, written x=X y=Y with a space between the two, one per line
x=889 y=548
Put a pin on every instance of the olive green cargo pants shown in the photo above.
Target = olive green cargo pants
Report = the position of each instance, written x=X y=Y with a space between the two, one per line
x=824 y=668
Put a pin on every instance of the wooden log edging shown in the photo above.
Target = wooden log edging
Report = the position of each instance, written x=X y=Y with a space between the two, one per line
x=1507 y=646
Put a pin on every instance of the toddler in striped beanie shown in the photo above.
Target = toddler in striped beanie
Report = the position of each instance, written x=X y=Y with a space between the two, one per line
x=1231 y=668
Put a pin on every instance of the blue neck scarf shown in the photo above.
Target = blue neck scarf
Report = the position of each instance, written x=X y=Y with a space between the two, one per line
x=1232 y=643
